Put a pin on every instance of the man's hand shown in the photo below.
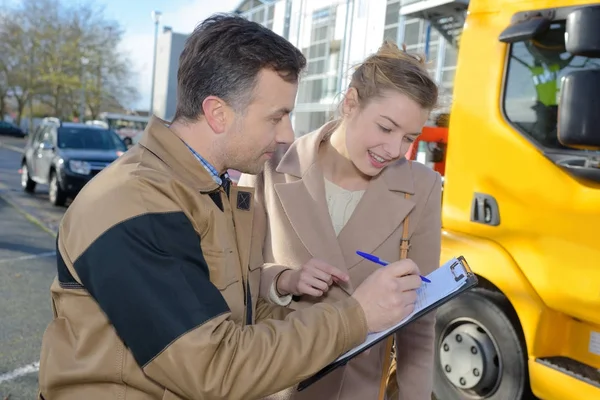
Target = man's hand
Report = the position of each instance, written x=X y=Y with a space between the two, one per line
x=389 y=294
x=313 y=278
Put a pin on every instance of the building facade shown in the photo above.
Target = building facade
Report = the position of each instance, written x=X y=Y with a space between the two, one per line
x=335 y=35
x=168 y=49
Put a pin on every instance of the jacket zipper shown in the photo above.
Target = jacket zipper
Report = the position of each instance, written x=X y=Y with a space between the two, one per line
x=244 y=282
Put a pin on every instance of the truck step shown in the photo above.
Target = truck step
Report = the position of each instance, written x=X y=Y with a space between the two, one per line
x=574 y=368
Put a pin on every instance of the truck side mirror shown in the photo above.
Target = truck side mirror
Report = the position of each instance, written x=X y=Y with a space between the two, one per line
x=578 y=111
x=522 y=31
x=582 y=36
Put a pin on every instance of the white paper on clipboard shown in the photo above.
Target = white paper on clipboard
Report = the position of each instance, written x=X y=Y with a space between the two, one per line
x=445 y=280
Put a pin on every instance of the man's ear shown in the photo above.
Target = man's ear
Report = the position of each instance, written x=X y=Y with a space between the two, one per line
x=215 y=112
x=350 y=102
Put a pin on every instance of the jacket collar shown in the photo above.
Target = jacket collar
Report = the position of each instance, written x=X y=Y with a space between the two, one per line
x=302 y=154
x=170 y=149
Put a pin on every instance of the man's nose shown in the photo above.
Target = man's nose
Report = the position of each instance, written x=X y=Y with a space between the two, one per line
x=285 y=133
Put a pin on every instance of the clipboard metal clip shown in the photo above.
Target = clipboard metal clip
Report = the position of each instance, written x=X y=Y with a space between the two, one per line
x=458 y=275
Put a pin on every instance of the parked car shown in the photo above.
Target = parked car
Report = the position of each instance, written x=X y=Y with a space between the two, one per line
x=10 y=129
x=65 y=156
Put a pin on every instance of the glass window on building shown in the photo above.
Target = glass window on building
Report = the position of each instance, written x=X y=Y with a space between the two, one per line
x=306 y=122
x=412 y=32
x=392 y=20
x=316 y=67
x=320 y=33
x=257 y=11
x=441 y=55
x=392 y=13
x=448 y=77
x=317 y=50
x=432 y=52
x=391 y=33
x=270 y=15
x=310 y=91
x=259 y=15
x=320 y=84
x=248 y=5
x=271 y=12
x=450 y=55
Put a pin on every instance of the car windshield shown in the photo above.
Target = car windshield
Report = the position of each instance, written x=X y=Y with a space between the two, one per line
x=89 y=139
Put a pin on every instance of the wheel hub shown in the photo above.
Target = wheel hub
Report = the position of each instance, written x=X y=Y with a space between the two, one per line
x=53 y=189
x=468 y=358
x=24 y=176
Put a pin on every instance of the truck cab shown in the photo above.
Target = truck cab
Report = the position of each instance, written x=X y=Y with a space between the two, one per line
x=521 y=203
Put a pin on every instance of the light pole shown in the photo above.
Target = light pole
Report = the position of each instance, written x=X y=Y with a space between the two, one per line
x=156 y=17
x=84 y=62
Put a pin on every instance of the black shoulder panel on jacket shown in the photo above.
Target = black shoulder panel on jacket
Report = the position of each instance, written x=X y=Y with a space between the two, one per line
x=65 y=278
x=149 y=276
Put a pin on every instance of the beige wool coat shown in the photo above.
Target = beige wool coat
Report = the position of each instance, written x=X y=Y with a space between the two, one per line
x=292 y=220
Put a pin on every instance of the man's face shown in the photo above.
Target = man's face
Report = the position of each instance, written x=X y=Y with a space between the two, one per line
x=254 y=136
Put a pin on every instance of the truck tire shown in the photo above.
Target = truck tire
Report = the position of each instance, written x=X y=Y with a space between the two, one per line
x=479 y=353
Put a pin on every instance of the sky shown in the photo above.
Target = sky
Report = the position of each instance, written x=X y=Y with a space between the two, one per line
x=135 y=18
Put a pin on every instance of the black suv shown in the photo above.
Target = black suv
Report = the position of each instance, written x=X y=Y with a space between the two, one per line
x=65 y=156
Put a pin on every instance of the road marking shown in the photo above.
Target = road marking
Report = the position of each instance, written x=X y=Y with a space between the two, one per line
x=19 y=372
x=29 y=257
x=33 y=219
x=13 y=148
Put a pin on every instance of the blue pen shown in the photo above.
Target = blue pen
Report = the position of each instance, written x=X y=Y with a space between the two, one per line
x=379 y=261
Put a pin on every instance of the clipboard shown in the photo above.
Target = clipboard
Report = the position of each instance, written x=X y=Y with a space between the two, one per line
x=448 y=281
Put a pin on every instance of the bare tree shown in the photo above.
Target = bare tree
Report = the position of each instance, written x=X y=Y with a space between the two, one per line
x=18 y=45
x=65 y=56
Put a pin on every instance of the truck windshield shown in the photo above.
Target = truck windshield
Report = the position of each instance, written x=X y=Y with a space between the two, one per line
x=532 y=91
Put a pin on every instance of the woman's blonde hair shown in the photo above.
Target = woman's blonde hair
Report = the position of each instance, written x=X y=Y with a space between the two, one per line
x=393 y=69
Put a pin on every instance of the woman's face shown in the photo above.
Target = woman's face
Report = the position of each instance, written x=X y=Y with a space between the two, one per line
x=382 y=132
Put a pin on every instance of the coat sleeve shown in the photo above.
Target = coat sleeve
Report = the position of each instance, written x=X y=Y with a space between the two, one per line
x=270 y=271
x=415 y=343
x=267 y=310
x=150 y=278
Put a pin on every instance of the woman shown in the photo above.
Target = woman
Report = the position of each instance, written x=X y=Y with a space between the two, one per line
x=348 y=187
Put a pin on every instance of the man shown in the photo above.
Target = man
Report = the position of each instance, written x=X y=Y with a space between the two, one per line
x=157 y=289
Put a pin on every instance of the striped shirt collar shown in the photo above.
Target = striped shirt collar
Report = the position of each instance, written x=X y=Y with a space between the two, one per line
x=209 y=167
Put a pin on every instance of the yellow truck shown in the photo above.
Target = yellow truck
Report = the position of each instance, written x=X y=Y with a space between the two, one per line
x=521 y=202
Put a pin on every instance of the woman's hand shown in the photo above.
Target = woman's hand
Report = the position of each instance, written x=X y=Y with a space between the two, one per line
x=314 y=278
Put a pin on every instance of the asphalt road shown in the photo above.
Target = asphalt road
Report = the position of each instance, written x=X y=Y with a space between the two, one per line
x=36 y=204
x=27 y=268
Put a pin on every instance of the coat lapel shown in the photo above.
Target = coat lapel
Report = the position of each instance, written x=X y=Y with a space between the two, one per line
x=378 y=214
x=303 y=200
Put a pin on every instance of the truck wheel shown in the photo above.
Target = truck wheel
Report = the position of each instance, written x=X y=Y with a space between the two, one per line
x=479 y=353
x=57 y=196
x=27 y=183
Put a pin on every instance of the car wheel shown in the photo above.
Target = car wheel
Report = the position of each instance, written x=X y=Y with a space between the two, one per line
x=57 y=196
x=479 y=354
x=27 y=183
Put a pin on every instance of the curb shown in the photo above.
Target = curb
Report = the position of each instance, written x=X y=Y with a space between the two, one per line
x=30 y=217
